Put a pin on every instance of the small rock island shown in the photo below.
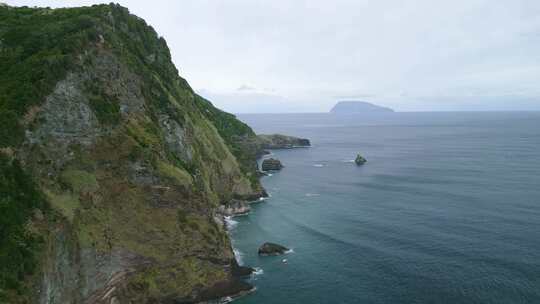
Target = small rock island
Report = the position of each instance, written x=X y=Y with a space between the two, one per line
x=360 y=160
x=272 y=249
x=357 y=107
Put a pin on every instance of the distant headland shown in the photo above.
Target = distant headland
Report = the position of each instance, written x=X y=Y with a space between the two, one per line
x=358 y=107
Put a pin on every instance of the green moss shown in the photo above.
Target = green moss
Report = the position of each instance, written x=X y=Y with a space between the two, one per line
x=182 y=216
x=182 y=276
x=66 y=203
x=79 y=181
x=10 y=132
x=177 y=175
x=107 y=110
x=144 y=132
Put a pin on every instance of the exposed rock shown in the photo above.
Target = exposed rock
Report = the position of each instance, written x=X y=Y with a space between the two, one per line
x=227 y=290
x=234 y=207
x=272 y=249
x=175 y=137
x=261 y=174
x=271 y=164
x=359 y=160
x=278 y=141
x=66 y=115
x=241 y=271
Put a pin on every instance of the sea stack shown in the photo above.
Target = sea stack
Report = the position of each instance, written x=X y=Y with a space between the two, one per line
x=272 y=249
x=359 y=160
x=271 y=164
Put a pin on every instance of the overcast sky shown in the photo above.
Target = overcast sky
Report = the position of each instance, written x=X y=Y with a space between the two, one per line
x=272 y=56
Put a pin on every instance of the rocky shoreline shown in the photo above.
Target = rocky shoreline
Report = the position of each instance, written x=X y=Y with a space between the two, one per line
x=238 y=287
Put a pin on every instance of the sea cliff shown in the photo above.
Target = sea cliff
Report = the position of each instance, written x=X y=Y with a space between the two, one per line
x=112 y=169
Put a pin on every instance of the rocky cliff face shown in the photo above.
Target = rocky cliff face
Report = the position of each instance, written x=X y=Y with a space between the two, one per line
x=126 y=165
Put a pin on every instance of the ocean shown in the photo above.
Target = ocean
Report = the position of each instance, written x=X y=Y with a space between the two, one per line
x=446 y=210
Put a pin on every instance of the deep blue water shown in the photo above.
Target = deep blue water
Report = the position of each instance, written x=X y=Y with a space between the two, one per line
x=447 y=210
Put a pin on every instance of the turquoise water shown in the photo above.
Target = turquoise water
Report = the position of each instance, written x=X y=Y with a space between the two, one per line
x=447 y=210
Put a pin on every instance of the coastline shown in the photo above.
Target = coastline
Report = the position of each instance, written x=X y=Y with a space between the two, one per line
x=243 y=208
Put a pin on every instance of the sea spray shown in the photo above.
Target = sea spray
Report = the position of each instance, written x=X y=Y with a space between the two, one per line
x=230 y=223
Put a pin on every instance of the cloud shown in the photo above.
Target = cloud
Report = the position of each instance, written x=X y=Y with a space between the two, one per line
x=314 y=51
x=245 y=88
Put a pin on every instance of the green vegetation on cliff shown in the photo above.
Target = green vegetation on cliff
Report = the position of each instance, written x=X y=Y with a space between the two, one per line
x=98 y=125
x=37 y=48
x=19 y=201
x=239 y=137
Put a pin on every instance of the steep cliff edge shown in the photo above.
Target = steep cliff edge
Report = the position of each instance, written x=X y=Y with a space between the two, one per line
x=112 y=168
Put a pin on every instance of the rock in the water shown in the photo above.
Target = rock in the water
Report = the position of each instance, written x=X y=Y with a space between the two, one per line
x=234 y=207
x=271 y=164
x=278 y=141
x=360 y=160
x=272 y=249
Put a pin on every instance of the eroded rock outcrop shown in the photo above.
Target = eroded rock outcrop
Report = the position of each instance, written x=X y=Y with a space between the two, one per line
x=278 y=141
x=271 y=164
x=234 y=208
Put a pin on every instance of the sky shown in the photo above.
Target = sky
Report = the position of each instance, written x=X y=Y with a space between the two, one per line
x=302 y=56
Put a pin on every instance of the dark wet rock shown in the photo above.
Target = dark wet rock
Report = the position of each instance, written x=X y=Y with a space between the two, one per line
x=255 y=196
x=271 y=164
x=240 y=271
x=272 y=249
x=261 y=174
x=278 y=141
x=359 y=160
x=231 y=289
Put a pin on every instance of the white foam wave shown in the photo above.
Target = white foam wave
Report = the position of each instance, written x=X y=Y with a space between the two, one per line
x=258 y=271
x=319 y=165
x=312 y=194
x=230 y=223
x=238 y=255
x=289 y=251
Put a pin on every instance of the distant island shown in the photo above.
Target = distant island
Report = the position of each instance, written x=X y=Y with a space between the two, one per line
x=358 y=107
